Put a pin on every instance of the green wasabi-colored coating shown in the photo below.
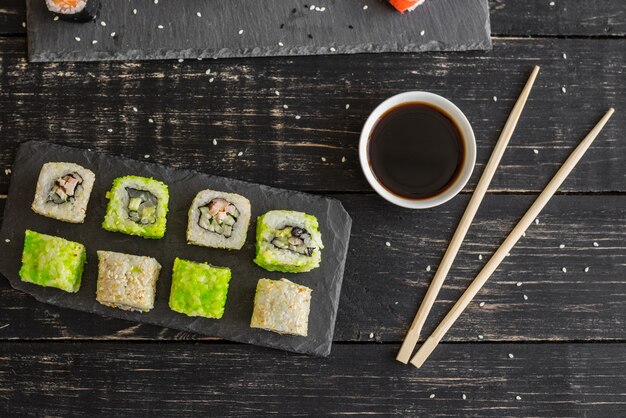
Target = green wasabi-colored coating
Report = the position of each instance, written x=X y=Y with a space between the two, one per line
x=273 y=259
x=52 y=261
x=117 y=218
x=199 y=289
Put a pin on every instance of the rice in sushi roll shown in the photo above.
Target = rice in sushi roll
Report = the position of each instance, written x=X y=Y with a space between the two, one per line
x=288 y=241
x=74 y=10
x=281 y=306
x=137 y=206
x=127 y=281
x=199 y=289
x=218 y=220
x=63 y=191
x=52 y=261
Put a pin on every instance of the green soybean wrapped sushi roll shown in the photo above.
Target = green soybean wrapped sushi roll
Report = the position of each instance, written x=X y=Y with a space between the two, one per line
x=63 y=191
x=137 y=206
x=218 y=220
x=127 y=281
x=199 y=289
x=281 y=306
x=288 y=241
x=52 y=261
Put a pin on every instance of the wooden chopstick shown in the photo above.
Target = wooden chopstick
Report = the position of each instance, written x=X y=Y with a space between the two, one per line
x=429 y=345
x=453 y=248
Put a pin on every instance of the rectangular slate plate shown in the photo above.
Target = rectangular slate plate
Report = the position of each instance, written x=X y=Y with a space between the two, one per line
x=335 y=224
x=268 y=28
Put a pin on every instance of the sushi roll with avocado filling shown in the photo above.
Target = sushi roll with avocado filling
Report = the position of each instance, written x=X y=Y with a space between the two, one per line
x=199 y=289
x=218 y=220
x=63 y=191
x=288 y=241
x=74 y=10
x=137 y=206
x=52 y=261
x=127 y=281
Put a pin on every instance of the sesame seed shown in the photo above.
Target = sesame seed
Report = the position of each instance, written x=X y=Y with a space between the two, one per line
x=212 y=79
x=481 y=304
x=112 y=34
x=298 y=116
x=146 y=156
x=94 y=42
x=134 y=109
x=586 y=269
x=23 y=24
x=536 y=151
x=595 y=244
x=134 y=11
x=480 y=337
x=371 y=335
x=564 y=56
x=240 y=153
x=347 y=106
x=427 y=268
x=519 y=398
x=156 y=1
x=343 y=159
x=519 y=284
x=480 y=256
x=524 y=234
x=495 y=99
x=564 y=270
x=281 y=44
x=77 y=39
x=525 y=297
x=7 y=240
x=103 y=23
x=240 y=31
x=198 y=14
x=214 y=141
x=511 y=355
x=324 y=159
x=55 y=18
x=365 y=7
x=563 y=89
x=180 y=60
x=552 y=3
x=422 y=33
x=160 y=26
x=7 y=171
x=332 y=49
x=562 y=246
x=537 y=221
x=432 y=396
x=285 y=106
x=464 y=397
x=388 y=244
x=109 y=130
x=277 y=93
x=150 y=120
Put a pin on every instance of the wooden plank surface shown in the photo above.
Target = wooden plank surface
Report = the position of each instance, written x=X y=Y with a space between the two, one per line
x=211 y=379
x=508 y=17
x=383 y=285
x=92 y=105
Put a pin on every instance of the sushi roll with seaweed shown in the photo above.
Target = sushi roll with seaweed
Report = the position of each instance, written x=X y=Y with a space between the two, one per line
x=288 y=241
x=63 y=191
x=127 y=281
x=199 y=289
x=218 y=220
x=74 y=10
x=137 y=206
x=281 y=306
x=52 y=261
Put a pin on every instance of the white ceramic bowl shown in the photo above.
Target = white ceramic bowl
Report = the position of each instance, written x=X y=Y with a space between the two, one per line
x=468 y=139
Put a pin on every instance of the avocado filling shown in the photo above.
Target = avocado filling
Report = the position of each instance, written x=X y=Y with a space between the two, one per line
x=141 y=206
x=65 y=188
x=295 y=239
x=219 y=216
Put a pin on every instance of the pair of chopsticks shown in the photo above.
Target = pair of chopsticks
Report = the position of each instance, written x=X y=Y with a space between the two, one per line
x=415 y=329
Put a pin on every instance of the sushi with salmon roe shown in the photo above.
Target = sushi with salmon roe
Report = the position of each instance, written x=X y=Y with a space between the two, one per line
x=74 y=10
x=406 y=5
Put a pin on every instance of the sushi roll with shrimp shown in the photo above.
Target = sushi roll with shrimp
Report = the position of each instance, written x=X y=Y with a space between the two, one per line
x=406 y=5
x=63 y=191
x=74 y=10
x=137 y=206
x=218 y=220
x=288 y=241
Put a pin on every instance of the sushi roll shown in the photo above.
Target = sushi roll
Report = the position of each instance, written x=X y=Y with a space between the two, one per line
x=281 y=306
x=74 y=10
x=406 y=5
x=199 y=289
x=52 y=262
x=288 y=241
x=63 y=191
x=127 y=281
x=137 y=206
x=218 y=220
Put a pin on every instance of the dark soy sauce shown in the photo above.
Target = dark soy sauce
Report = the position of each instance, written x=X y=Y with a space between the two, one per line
x=416 y=150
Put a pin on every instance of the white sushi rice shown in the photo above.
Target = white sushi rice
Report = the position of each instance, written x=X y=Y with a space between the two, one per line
x=199 y=236
x=127 y=281
x=73 y=211
x=65 y=9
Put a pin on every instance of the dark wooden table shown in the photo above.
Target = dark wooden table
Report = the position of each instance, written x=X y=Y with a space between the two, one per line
x=565 y=330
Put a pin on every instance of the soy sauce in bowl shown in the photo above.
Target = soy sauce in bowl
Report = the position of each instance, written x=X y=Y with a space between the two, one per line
x=416 y=150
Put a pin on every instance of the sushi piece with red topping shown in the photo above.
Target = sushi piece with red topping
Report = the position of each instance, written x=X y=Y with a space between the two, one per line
x=406 y=5
x=74 y=10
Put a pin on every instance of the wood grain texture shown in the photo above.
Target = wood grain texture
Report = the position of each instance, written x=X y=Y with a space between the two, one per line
x=92 y=106
x=213 y=379
x=384 y=285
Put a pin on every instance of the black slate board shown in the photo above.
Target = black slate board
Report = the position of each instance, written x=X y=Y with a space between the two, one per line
x=335 y=224
x=344 y=27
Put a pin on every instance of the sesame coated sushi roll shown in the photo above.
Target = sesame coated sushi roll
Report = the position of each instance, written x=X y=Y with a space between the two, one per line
x=281 y=306
x=74 y=10
x=127 y=281
x=137 y=206
x=288 y=241
x=199 y=289
x=218 y=220
x=63 y=191
x=52 y=261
